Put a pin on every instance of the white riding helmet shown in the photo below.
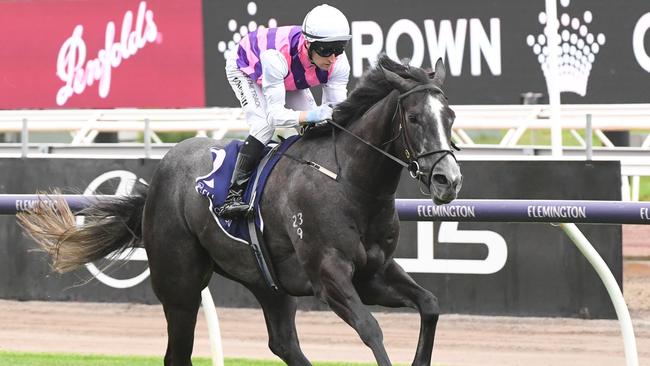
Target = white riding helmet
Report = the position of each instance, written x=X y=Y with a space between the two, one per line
x=326 y=23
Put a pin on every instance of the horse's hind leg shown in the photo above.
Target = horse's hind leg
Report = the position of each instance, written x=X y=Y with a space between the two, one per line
x=180 y=269
x=280 y=315
x=395 y=288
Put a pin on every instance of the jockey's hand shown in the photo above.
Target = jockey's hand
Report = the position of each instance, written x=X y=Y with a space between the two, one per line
x=319 y=114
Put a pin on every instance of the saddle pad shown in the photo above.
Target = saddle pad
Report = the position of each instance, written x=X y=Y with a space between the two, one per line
x=215 y=184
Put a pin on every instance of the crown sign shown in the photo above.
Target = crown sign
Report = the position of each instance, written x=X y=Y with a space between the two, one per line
x=238 y=33
x=578 y=50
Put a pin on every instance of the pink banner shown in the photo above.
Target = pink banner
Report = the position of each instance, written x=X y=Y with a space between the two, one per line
x=101 y=54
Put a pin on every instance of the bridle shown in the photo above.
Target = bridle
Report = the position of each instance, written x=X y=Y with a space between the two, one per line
x=409 y=152
x=411 y=161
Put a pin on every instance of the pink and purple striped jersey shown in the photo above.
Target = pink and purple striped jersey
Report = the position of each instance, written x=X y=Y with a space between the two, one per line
x=290 y=42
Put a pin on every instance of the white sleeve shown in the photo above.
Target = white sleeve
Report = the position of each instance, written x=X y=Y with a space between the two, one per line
x=274 y=70
x=336 y=89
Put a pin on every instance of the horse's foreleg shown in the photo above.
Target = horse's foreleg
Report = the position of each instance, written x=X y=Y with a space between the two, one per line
x=280 y=315
x=337 y=290
x=395 y=288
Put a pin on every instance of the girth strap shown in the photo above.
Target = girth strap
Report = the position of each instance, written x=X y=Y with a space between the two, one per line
x=258 y=253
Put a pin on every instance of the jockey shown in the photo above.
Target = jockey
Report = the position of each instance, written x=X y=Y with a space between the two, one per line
x=271 y=74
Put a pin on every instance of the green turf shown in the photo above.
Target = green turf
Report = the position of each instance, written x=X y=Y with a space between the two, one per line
x=51 y=359
x=543 y=138
x=60 y=359
x=530 y=137
x=644 y=189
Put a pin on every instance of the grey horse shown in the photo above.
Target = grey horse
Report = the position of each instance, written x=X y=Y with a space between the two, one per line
x=333 y=239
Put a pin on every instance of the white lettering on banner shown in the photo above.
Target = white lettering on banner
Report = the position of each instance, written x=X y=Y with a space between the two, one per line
x=445 y=43
x=489 y=47
x=644 y=213
x=573 y=212
x=26 y=205
x=446 y=211
x=368 y=51
x=449 y=233
x=638 y=44
x=77 y=73
x=407 y=27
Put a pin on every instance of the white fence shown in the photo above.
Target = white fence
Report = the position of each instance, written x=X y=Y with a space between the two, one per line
x=517 y=119
x=85 y=124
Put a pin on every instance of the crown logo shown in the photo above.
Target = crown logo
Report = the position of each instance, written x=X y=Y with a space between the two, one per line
x=239 y=31
x=578 y=50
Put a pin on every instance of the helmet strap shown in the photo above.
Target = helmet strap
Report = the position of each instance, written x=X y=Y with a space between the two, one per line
x=309 y=53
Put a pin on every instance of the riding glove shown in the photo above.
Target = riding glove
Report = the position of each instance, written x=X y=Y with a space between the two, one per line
x=319 y=114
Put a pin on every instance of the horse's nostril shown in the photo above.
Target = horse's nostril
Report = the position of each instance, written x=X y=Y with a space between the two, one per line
x=440 y=179
x=458 y=182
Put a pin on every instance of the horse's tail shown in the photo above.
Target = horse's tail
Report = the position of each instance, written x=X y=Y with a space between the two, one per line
x=111 y=226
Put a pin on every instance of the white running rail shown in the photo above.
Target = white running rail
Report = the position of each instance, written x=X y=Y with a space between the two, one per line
x=84 y=124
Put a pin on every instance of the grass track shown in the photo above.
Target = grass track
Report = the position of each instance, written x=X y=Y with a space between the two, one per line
x=62 y=359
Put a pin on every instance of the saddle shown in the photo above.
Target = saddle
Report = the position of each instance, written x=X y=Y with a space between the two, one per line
x=214 y=186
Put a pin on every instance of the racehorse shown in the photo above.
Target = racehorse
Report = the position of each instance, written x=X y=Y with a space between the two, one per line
x=330 y=238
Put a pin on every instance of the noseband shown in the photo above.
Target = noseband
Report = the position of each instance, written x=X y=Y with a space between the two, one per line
x=411 y=164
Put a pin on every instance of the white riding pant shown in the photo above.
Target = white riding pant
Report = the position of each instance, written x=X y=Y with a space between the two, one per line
x=252 y=101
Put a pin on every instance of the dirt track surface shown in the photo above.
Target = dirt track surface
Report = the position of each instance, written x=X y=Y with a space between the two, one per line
x=461 y=340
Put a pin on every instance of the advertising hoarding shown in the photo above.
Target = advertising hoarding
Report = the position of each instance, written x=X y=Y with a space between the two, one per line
x=494 y=50
x=101 y=54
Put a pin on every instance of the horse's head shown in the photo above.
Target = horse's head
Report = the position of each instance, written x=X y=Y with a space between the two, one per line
x=425 y=120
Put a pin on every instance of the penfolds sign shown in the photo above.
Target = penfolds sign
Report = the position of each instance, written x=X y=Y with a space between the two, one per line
x=101 y=54
x=78 y=71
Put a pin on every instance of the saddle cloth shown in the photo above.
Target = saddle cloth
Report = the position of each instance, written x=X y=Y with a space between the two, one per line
x=215 y=184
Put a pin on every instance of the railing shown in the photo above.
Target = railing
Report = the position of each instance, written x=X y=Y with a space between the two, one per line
x=85 y=124
x=517 y=119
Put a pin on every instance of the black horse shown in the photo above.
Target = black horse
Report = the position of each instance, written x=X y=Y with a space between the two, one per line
x=333 y=239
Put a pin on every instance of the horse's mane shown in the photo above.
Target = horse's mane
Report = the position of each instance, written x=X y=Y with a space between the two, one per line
x=373 y=87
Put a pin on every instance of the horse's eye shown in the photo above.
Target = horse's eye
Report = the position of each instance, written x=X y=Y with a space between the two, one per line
x=412 y=118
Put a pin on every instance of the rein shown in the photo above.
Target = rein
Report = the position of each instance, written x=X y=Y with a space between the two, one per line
x=412 y=165
x=390 y=156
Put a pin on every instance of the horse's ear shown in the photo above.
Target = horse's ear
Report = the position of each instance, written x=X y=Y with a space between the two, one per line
x=396 y=81
x=439 y=75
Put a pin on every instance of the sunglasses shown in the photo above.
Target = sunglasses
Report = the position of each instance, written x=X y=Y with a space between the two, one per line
x=327 y=50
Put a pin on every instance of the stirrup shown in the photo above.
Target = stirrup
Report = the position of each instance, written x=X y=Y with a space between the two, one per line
x=234 y=206
x=233 y=211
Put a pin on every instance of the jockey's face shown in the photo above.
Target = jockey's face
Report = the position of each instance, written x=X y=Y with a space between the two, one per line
x=324 y=63
x=323 y=55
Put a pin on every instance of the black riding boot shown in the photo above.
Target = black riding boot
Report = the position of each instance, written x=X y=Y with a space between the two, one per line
x=248 y=157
